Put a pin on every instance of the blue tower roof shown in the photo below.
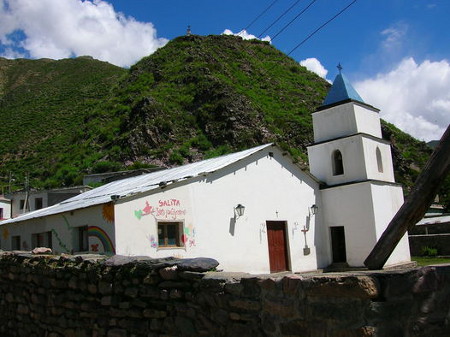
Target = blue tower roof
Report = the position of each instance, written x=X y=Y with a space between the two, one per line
x=341 y=90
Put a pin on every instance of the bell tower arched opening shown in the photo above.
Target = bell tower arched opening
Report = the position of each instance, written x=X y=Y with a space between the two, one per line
x=337 y=163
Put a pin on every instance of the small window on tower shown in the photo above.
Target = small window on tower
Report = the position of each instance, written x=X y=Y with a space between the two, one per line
x=379 y=160
x=338 y=165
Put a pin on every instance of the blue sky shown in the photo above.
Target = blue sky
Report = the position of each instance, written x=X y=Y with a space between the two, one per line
x=395 y=52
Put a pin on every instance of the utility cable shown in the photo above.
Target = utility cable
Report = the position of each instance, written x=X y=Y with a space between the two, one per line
x=323 y=25
x=278 y=19
x=263 y=12
x=295 y=18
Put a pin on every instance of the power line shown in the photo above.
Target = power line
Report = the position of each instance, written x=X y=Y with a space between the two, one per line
x=295 y=18
x=263 y=12
x=278 y=19
x=323 y=25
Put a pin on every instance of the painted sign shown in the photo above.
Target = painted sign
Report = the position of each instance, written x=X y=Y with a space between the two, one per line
x=169 y=209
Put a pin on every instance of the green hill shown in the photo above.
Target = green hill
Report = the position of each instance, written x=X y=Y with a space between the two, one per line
x=197 y=97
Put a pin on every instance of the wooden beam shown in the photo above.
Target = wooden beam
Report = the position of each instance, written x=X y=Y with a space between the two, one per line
x=416 y=205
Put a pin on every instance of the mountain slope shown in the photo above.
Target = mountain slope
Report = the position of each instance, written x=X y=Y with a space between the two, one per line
x=199 y=96
x=195 y=98
x=42 y=106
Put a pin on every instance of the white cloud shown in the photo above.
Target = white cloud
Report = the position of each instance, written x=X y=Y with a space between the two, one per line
x=314 y=65
x=245 y=35
x=394 y=36
x=64 y=28
x=414 y=97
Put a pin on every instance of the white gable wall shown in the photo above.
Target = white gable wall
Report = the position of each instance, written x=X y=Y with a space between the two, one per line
x=270 y=188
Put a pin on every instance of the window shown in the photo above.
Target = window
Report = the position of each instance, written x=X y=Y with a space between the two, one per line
x=337 y=162
x=169 y=234
x=15 y=242
x=42 y=240
x=38 y=203
x=83 y=242
x=379 y=160
x=22 y=204
x=1 y=213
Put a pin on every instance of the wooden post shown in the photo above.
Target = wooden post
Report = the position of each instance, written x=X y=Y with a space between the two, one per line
x=415 y=206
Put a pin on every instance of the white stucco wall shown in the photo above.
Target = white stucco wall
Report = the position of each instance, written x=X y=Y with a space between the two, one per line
x=270 y=188
x=16 y=210
x=364 y=209
x=358 y=156
x=343 y=120
x=390 y=202
x=64 y=230
x=5 y=205
x=370 y=148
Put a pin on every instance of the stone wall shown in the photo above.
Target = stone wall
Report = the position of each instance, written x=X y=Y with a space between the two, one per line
x=91 y=296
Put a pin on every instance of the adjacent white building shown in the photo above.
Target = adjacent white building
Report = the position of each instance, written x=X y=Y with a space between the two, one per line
x=5 y=208
x=253 y=211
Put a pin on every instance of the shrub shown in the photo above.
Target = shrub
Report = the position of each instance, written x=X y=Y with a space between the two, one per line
x=428 y=251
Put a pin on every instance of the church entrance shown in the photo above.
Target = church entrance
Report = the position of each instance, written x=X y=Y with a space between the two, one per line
x=276 y=238
x=338 y=244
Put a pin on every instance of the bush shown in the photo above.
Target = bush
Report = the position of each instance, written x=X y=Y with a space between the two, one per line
x=428 y=251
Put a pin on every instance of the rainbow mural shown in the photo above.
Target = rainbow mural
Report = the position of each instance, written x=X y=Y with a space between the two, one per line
x=100 y=234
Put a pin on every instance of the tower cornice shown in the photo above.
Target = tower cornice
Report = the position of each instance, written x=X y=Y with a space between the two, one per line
x=365 y=135
x=362 y=104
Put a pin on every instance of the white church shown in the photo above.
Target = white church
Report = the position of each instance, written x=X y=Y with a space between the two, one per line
x=253 y=211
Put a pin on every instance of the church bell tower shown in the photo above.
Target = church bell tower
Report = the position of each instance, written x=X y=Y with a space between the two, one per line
x=354 y=164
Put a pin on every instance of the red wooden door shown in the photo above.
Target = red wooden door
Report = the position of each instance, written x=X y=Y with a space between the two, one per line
x=276 y=237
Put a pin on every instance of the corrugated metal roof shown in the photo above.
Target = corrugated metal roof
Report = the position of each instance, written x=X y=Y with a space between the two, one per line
x=434 y=220
x=139 y=184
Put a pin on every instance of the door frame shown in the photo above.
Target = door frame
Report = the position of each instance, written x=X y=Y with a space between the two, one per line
x=283 y=225
x=339 y=247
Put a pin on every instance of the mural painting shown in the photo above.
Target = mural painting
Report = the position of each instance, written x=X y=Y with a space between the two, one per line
x=167 y=209
x=60 y=242
x=170 y=209
x=153 y=242
x=189 y=235
x=102 y=236
x=108 y=212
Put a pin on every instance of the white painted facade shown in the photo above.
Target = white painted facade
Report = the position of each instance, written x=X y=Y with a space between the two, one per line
x=360 y=196
x=64 y=232
x=267 y=183
x=346 y=119
x=270 y=188
x=5 y=208
x=364 y=210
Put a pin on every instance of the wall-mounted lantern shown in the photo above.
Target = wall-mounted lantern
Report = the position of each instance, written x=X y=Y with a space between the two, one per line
x=239 y=209
x=314 y=209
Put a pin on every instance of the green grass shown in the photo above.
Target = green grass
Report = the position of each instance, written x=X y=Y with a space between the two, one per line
x=426 y=260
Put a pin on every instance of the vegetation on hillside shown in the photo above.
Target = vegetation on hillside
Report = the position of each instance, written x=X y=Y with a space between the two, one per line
x=195 y=98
